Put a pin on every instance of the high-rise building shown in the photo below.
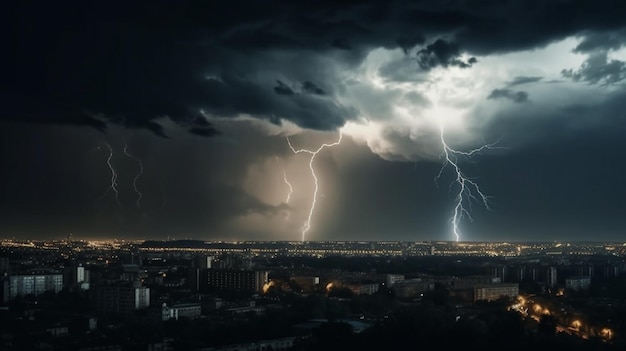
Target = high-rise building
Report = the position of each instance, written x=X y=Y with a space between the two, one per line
x=121 y=298
x=197 y=279
x=500 y=272
x=33 y=284
x=584 y=270
x=520 y=274
x=4 y=265
x=608 y=270
x=203 y=261
x=76 y=277
x=238 y=280
x=551 y=276
x=577 y=283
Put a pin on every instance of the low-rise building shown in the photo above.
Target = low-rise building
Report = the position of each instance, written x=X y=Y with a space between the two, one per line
x=412 y=288
x=182 y=310
x=491 y=292
x=363 y=289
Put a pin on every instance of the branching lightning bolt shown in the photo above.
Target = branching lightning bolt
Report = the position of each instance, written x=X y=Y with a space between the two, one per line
x=113 y=185
x=286 y=182
x=139 y=195
x=468 y=190
x=307 y=224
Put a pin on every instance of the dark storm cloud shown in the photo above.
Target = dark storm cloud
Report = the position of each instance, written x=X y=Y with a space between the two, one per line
x=602 y=41
x=407 y=42
x=311 y=88
x=132 y=70
x=283 y=89
x=535 y=125
x=18 y=108
x=232 y=95
x=515 y=96
x=123 y=74
x=498 y=27
x=559 y=178
x=134 y=63
x=307 y=88
x=523 y=80
x=206 y=132
x=598 y=69
x=442 y=53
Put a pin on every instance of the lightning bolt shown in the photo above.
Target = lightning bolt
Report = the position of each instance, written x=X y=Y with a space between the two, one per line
x=307 y=223
x=467 y=189
x=286 y=182
x=139 y=195
x=113 y=185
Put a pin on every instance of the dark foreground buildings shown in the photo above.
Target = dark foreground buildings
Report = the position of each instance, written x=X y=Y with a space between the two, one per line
x=133 y=296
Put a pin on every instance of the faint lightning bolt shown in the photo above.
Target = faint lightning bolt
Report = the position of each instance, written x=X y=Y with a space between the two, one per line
x=113 y=185
x=286 y=182
x=139 y=195
x=307 y=224
x=468 y=190
x=289 y=185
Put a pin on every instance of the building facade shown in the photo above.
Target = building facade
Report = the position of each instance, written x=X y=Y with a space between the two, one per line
x=364 y=289
x=238 y=280
x=491 y=292
x=577 y=283
x=186 y=310
x=121 y=298
x=34 y=284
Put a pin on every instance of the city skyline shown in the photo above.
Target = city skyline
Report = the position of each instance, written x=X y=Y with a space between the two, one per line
x=284 y=121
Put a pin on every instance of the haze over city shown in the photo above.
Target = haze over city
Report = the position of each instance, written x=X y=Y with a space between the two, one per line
x=208 y=120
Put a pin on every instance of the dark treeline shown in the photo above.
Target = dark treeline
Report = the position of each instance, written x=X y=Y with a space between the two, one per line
x=494 y=328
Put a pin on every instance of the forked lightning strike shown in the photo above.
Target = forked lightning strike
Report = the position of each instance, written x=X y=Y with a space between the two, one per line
x=139 y=194
x=468 y=190
x=307 y=224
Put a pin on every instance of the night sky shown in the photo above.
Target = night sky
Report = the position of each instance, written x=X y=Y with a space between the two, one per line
x=193 y=106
